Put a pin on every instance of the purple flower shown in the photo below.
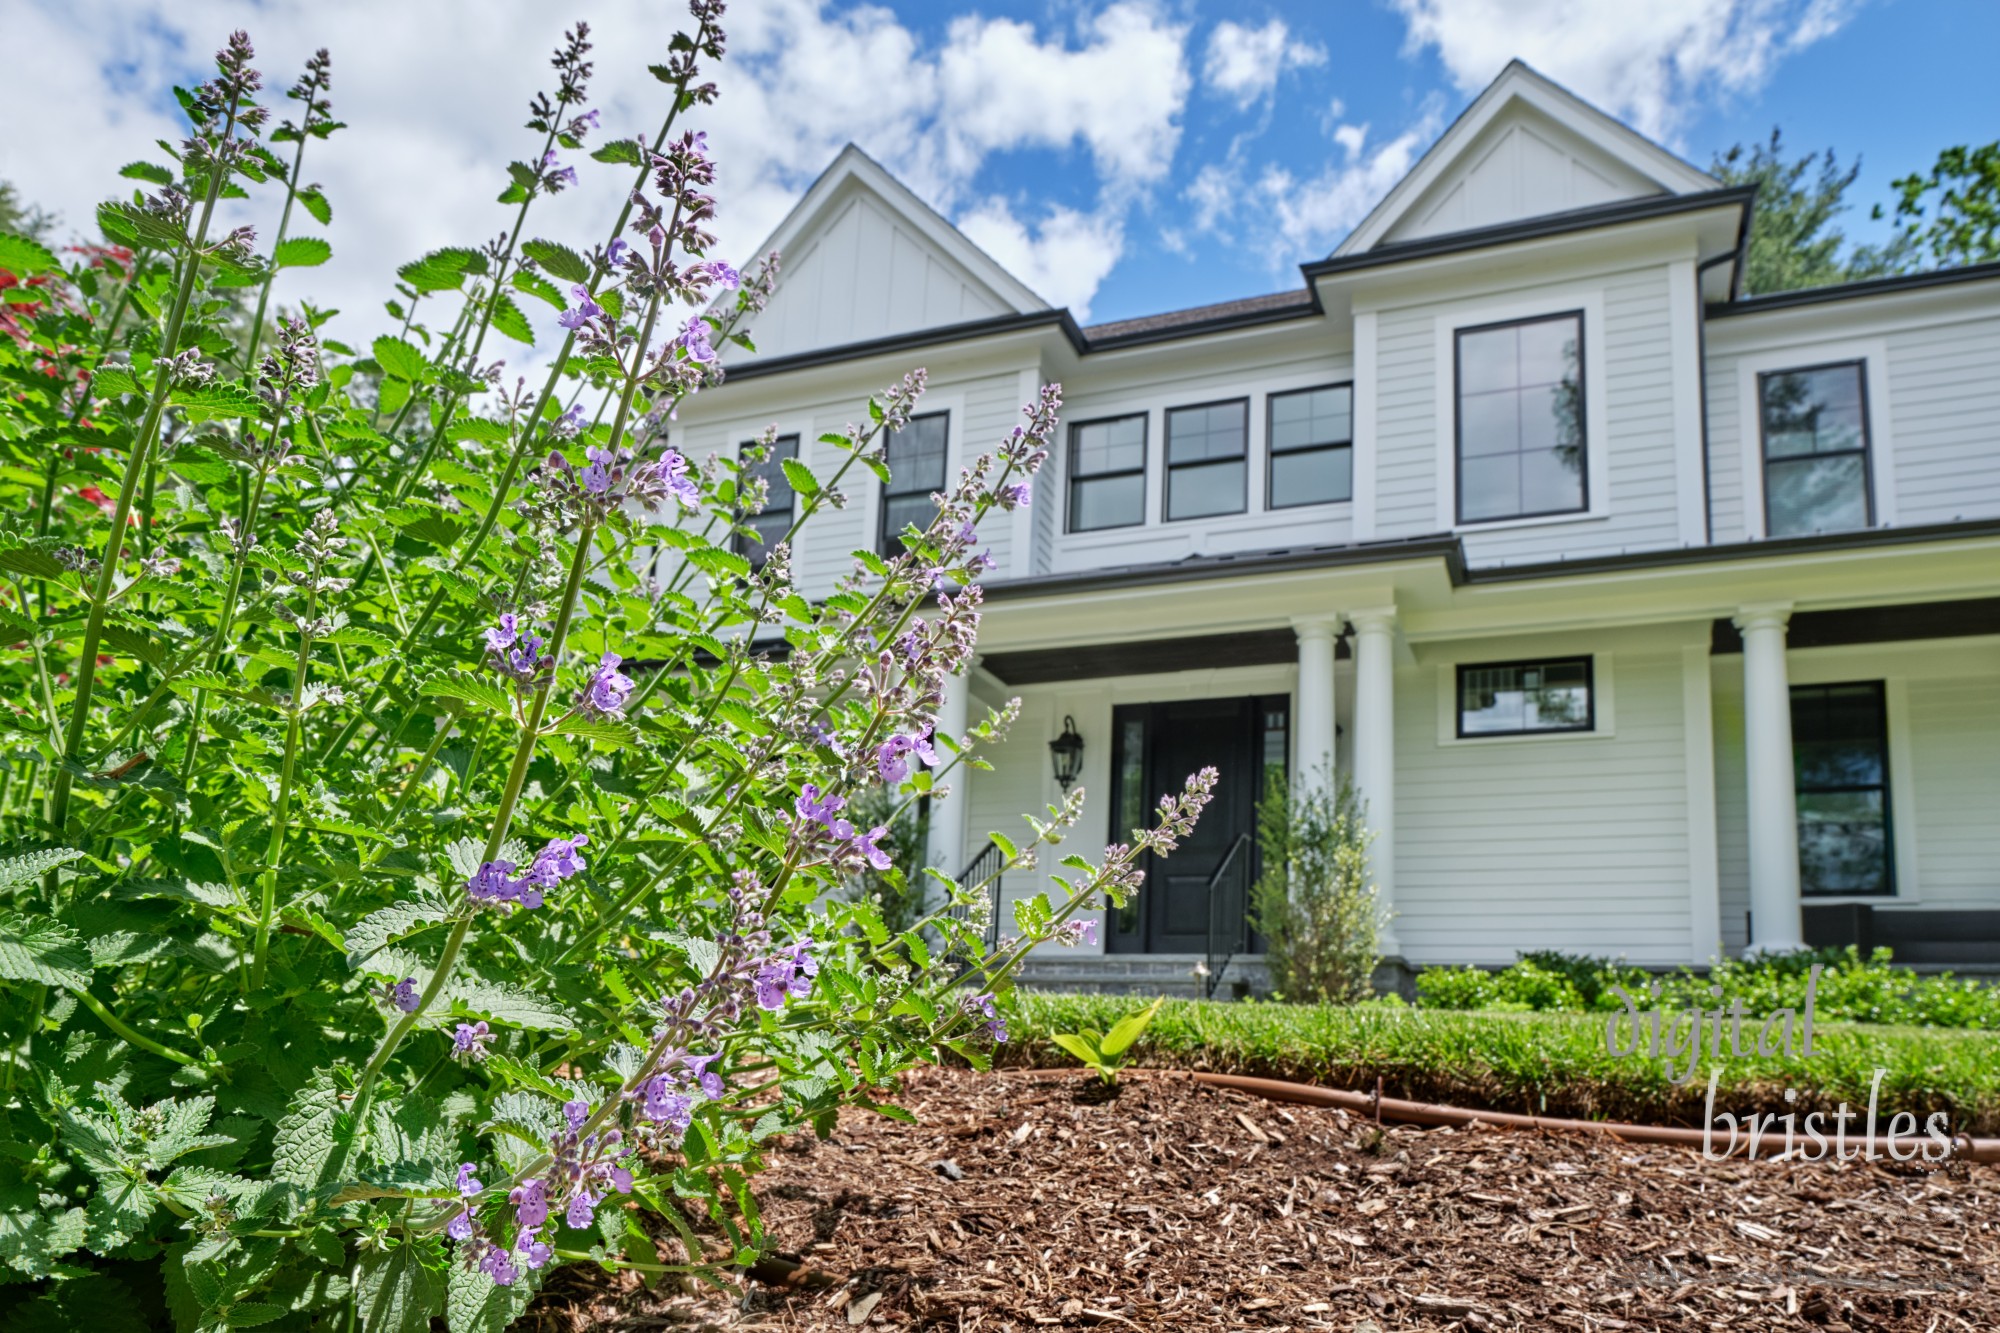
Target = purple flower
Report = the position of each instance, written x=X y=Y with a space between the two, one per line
x=710 y=1081
x=811 y=805
x=496 y=1265
x=460 y=1226
x=585 y=311
x=864 y=844
x=468 y=1184
x=470 y=1040
x=1075 y=932
x=787 y=973
x=694 y=340
x=586 y=121
x=534 y=1252
x=672 y=474
x=582 y=1211
x=404 y=995
x=569 y=424
x=602 y=470
x=576 y=1113
x=723 y=275
x=621 y=1180
x=608 y=688
x=558 y=861
x=982 y=1006
x=492 y=882
x=662 y=1104
x=531 y=1203
x=889 y=760
x=1017 y=495
x=502 y=636
x=614 y=253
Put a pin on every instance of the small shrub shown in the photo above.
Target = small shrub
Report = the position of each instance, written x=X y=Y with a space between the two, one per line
x=1319 y=915
x=1105 y=1052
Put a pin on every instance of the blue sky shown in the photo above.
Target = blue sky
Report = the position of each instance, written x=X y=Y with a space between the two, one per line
x=1121 y=156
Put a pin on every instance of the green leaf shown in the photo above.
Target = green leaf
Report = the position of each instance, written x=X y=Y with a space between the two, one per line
x=1005 y=845
x=1127 y=1030
x=119 y=1209
x=508 y=319
x=397 y=1293
x=33 y=865
x=24 y=256
x=534 y=284
x=314 y=202
x=43 y=950
x=478 y=428
x=30 y=556
x=308 y=1135
x=301 y=252
x=800 y=476
x=219 y=399
x=31 y=1243
x=442 y=270
x=607 y=729
x=622 y=151
x=366 y=638
x=135 y=227
x=474 y=1304
x=389 y=924
x=146 y=171
x=1077 y=1047
x=398 y=358
x=473 y=689
x=249 y=1314
x=561 y=261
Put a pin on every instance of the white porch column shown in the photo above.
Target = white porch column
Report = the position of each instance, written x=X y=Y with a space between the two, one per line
x=1375 y=750
x=945 y=843
x=1776 y=922
x=1314 y=725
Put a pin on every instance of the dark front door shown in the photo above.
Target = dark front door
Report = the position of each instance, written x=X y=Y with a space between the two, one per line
x=1154 y=749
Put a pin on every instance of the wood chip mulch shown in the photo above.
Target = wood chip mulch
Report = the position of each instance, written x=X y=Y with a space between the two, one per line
x=1028 y=1199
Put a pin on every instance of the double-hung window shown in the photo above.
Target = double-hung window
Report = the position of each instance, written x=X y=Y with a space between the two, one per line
x=1840 y=765
x=1107 y=473
x=1526 y=698
x=1520 y=419
x=916 y=458
x=1312 y=447
x=1815 y=449
x=1208 y=459
x=768 y=526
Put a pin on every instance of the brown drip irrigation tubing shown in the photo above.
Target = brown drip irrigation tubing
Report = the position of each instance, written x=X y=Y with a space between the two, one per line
x=1966 y=1147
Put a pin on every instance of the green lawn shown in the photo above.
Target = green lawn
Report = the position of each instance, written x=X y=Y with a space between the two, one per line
x=1544 y=1063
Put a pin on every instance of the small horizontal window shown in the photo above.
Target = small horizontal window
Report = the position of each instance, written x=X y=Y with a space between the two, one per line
x=1312 y=447
x=1107 y=473
x=915 y=455
x=1526 y=698
x=1207 y=459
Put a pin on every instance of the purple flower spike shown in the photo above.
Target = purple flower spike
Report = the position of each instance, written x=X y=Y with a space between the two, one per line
x=468 y=1184
x=710 y=1081
x=535 y=1253
x=531 y=1203
x=499 y=1267
x=614 y=253
x=469 y=1042
x=1018 y=495
x=864 y=843
x=502 y=636
x=404 y=995
x=811 y=805
x=460 y=1226
x=582 y=1211
x=576 y=1113
x=725 y=276
x=694 y=340
x=608 y=689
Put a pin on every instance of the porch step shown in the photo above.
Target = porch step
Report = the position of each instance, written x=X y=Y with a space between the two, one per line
x=1171 y=974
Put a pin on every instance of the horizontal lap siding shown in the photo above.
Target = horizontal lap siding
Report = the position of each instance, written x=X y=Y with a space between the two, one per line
x=1725 y=452
x=1944 y=392
x=992 y=408
x=1564 y=843
x=1406 y=425
x=1955 y=734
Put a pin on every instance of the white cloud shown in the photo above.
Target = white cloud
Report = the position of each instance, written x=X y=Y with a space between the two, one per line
x=1644 y=62
x=1244 y=63
x=1062 y=261
x=434 y=106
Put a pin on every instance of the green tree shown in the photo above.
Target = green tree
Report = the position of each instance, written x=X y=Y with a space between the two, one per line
x=1954 y=212
x=22 y=218
x=1320 y=916
x=1793 y=242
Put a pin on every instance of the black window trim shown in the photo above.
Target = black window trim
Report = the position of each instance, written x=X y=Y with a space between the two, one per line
x=1458 y=417
x=1589 y=724
x=1885 y=786
x=1167 y=465
x=1271 y=453
x=1867 y=449
x=751 y=548
x=1070 y=478
x=884 y=494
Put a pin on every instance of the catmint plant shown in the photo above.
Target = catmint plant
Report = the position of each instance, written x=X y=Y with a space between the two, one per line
x=417 y=863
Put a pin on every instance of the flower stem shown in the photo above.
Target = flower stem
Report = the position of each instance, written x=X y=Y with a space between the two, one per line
x=119 y=1026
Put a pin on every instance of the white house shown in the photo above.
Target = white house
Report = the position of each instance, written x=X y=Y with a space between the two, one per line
x=1650 y=618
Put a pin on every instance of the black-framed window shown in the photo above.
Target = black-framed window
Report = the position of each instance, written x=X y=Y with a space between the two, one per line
x=1526 y=698
x=1107 y=473
x=775 y=520
x=1520 y=428
x=1311 y=435
x=916 y=457
x=1815 y=429
x=1840 y=766
x=1208 y=459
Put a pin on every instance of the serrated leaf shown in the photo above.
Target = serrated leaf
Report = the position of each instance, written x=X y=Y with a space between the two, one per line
x=42 y=950
x=508 y=319
x=33 y=865
x=800 y=477
x=308 y=1135
x=200 y=402
x=399 y=359
x=24 y=256
x=442 y=270
x=623 y=151
x=118 y=1210
x=301 y=252
x=32 y=1242
x=610 y=730
x=366 y=638
x=464 y=685
x=146 y=171
x=315 y=203
x=478 y=428
x=249 y=1314
x=474 y=1303
x=558 y=259
x=31 y=557
x=534 y=284
x=397 y=1294
x=389 y=924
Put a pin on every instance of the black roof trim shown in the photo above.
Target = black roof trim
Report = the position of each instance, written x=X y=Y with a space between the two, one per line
x=1199 y=568
x=1749 y=550
x=1535 y=228
x=1847 y=291
x=1219 y=318
x=903 y=342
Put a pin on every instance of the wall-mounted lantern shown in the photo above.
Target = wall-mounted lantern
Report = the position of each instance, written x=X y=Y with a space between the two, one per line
x=1066 y=751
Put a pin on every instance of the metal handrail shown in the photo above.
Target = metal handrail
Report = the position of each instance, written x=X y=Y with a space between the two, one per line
x=987 y=863
x=1220 y=949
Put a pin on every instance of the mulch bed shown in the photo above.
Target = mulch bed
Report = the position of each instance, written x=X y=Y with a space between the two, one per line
x=1028 y=1199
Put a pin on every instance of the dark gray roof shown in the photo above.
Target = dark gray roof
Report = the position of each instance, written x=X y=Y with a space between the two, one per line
x=1299 y=300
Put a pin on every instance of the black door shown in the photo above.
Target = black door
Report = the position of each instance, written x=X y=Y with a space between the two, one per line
x=1154 y=749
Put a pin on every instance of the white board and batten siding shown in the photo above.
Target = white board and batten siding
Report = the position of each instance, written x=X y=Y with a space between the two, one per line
x=1578 y=842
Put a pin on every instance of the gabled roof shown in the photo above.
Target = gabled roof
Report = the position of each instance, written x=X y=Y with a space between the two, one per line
x=1530 y=138
x=862 y=257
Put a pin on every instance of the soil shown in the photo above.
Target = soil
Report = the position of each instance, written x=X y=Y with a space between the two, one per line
x=1037 y=1199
